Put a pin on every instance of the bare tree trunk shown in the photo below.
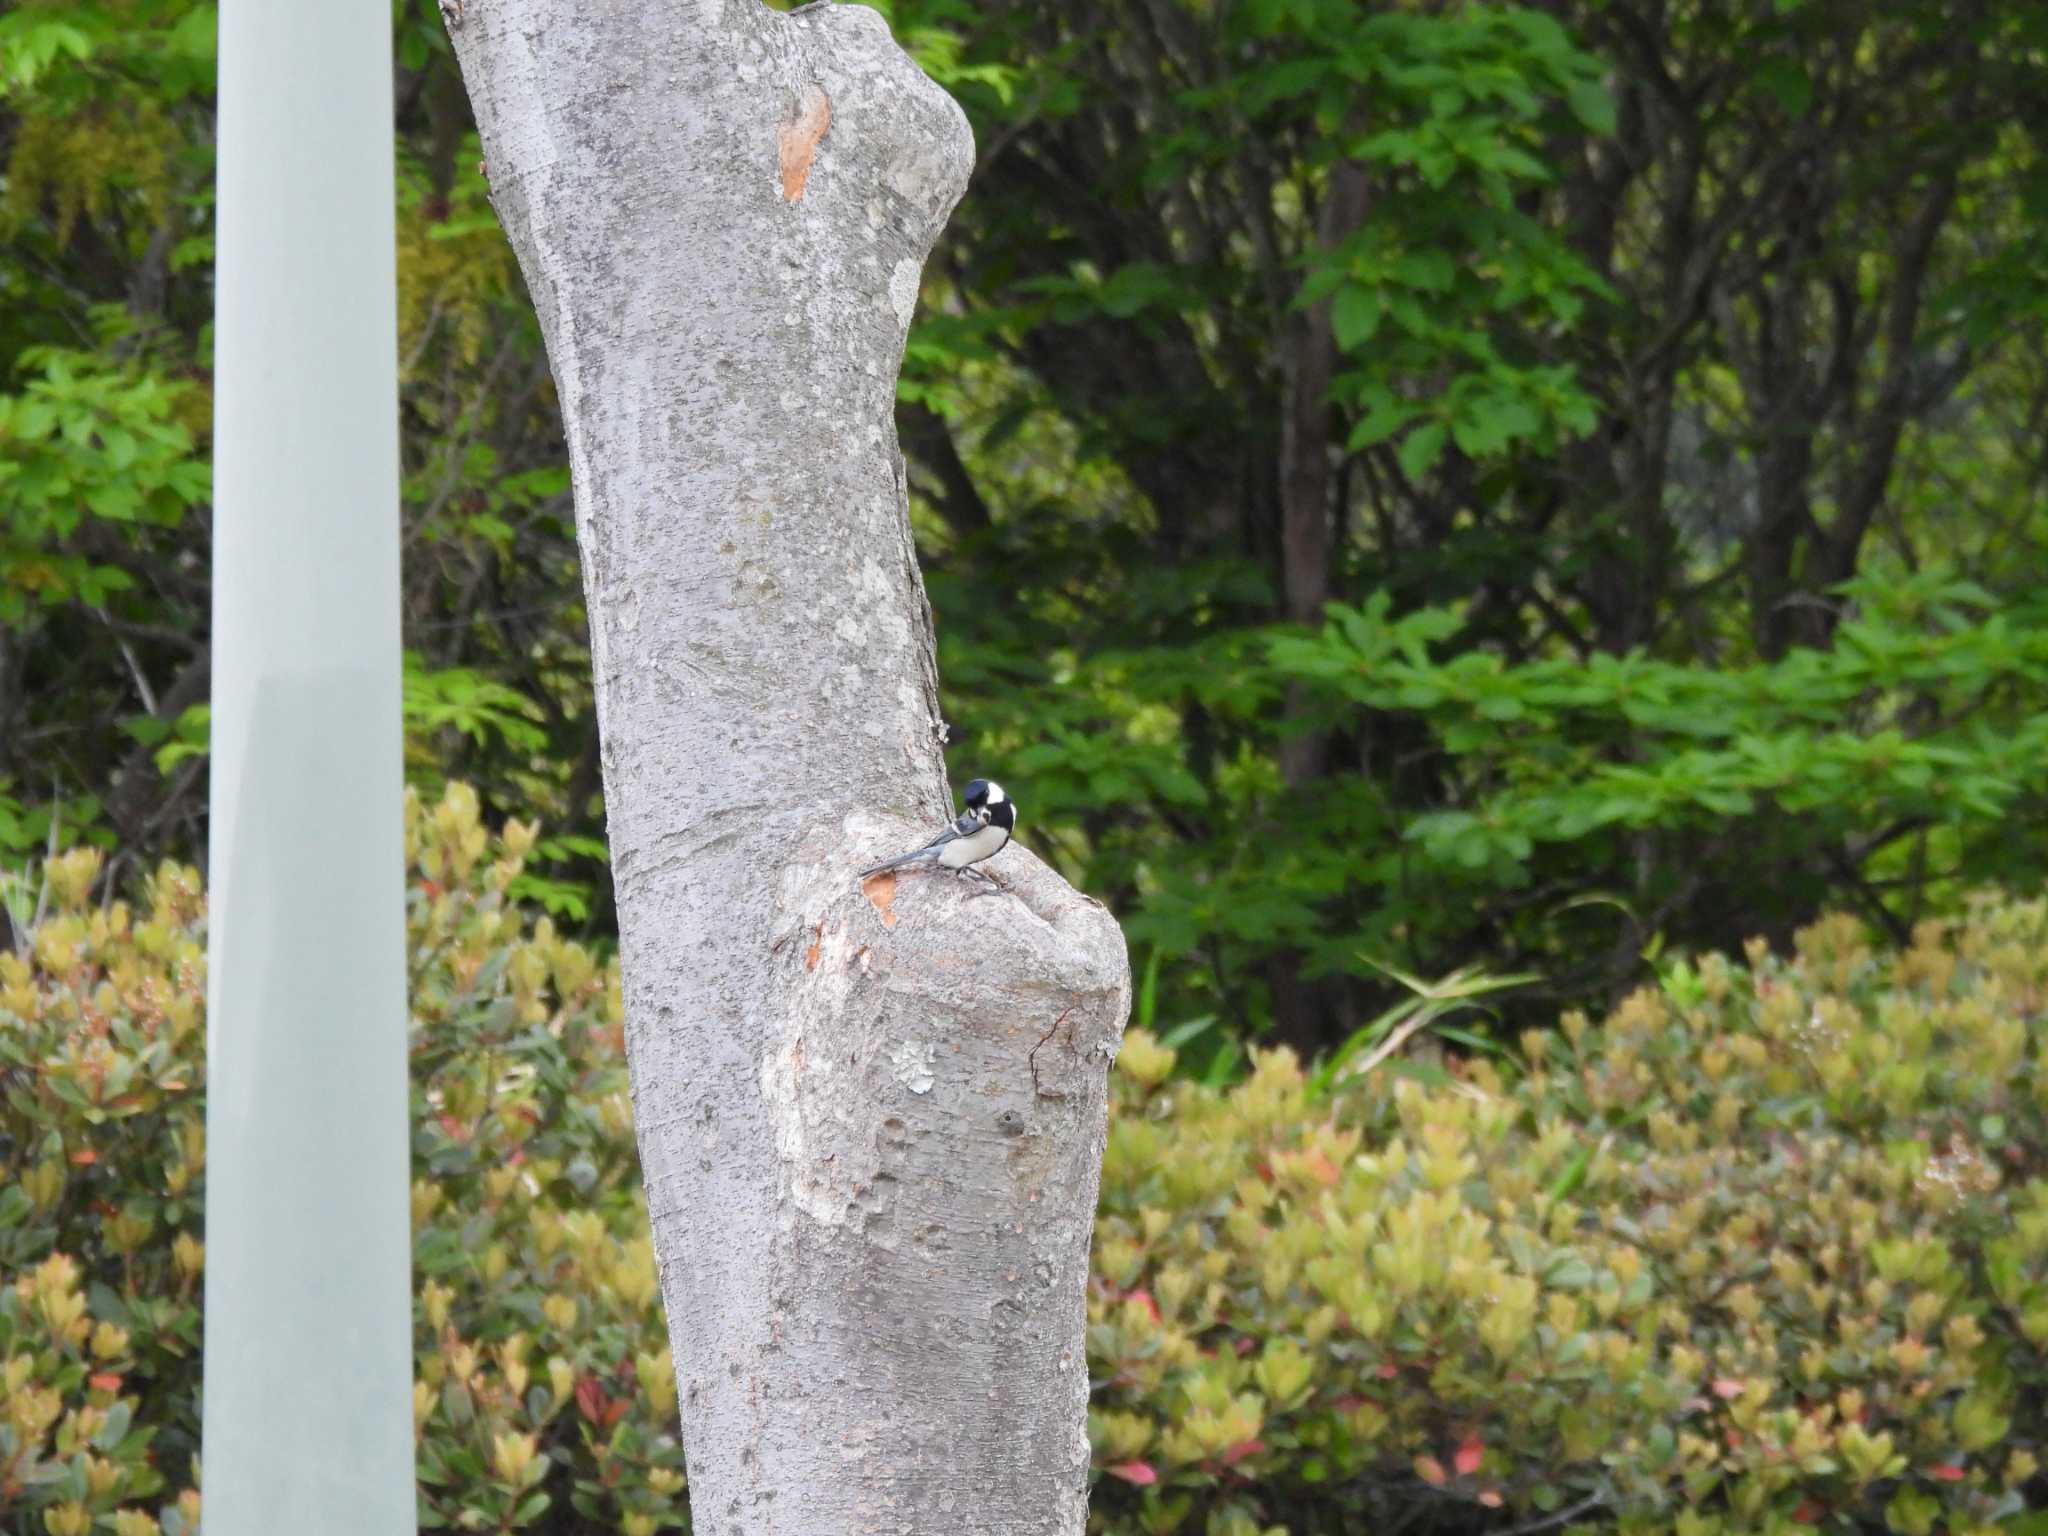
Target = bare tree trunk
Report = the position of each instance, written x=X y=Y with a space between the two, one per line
x=871 y=1124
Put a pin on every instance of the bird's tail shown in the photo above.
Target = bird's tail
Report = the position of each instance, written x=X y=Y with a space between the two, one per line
x=898 y=862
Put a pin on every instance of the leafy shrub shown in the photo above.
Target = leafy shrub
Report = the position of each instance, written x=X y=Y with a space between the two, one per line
x=1767 y=1248
x=544 y=1391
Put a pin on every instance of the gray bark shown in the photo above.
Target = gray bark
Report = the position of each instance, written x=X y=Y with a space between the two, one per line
x=871 y=1121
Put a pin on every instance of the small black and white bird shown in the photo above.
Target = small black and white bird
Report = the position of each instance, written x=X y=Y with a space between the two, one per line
x=986 y=820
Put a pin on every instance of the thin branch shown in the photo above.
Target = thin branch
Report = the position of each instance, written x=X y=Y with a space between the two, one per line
x=1568 y=1513
x=135 y=672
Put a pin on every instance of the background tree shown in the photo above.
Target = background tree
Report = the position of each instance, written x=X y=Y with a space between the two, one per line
x=1644 y=329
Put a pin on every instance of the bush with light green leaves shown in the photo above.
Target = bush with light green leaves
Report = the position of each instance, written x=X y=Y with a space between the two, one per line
x=544 y=1397
x=1767 y=1249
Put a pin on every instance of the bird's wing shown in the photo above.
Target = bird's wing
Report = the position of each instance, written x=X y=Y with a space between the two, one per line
x=929 y=850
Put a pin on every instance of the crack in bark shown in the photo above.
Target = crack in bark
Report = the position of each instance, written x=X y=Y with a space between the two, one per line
x=1037 y=1091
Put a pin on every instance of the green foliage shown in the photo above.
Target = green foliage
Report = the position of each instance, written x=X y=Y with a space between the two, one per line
x=462 y=699
x=106 y=295
x=1653 y=344
x=105 y=300
x=1449 y=299
x=62 y=47
x=102 y=1137
x=103 y=94
x=1575 y=803
x=544 y=1396
x=1924 y=720
x=1646 y=330
x=87 y=438
x=44 y=825
x=1768 y=1245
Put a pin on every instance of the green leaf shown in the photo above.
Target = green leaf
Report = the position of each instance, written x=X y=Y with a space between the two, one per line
x=115 y=1426
x=1787 y=83
x=1421 y=449
x=1569 y=1272
x=1354 y=315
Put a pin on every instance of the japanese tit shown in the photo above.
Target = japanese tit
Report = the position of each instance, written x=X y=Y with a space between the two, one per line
x=979 y=832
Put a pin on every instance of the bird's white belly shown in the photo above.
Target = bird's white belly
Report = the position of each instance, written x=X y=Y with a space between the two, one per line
x=973 y=848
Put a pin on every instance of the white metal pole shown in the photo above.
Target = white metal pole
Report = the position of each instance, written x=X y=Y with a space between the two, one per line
x=308 y=1416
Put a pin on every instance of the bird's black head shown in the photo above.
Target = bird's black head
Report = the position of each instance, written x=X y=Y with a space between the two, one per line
x=987 y=802
x=992 y=805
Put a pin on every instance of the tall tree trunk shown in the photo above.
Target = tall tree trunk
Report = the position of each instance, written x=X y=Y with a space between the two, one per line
x=871 y=1121
x=1309 y=521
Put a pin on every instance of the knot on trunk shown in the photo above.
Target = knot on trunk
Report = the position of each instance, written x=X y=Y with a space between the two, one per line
x=978 y=1019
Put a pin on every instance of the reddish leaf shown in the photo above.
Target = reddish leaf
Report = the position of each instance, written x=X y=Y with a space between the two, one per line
x=84 y=1156
x=104 y=1381
x=1727 y=1387
x=1146 y=1297
x=1430 y=1470
x=1490 y=1498
x=1387 y=1370
x=1466 y=1459
x=1139 y=1472
x=1947 y=1474
x=1808 y=1513
x=1317 y=1165
x=590 y=1398
x=1242 y=1449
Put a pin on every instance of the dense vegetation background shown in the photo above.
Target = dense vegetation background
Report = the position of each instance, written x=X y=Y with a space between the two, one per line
x=1401 y=486
x=1763 y=1251
x=1412 y=495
